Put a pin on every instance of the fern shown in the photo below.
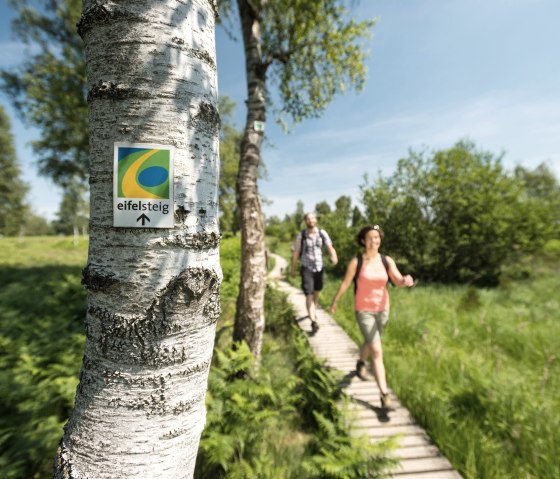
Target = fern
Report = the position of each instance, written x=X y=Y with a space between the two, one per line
x=249 y=416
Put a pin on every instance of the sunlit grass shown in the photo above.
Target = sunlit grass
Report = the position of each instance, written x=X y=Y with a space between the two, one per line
x=42 y=311
x=43 y=250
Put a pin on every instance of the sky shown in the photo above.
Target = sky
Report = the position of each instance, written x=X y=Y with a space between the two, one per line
x=438 y=71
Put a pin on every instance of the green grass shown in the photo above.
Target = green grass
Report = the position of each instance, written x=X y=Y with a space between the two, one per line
x=479 y=369
x=42 y=308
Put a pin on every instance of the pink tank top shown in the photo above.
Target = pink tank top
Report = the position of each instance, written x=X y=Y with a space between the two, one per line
x=372 y=294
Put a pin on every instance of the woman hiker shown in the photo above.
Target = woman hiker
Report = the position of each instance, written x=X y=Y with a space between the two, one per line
x=370 y=273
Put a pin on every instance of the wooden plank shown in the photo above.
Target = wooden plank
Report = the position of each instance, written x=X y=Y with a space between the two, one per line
x=375 y=422
x=371 y=397
x=341 y=366
x=397 y=420
x=342 y=353
x=390 y=430
x=347 y=349
x=416 y=452
x=429 y=475
x=359 y=411
x=428 y=464
x=359 y=385
x=347 y=362
x=410 y=440
x=372 y=400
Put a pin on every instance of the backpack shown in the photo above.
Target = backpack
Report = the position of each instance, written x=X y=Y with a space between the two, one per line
x=359 y=267
x=323 y=238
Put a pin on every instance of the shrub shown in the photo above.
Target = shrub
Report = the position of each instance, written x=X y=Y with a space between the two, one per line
x=453 y=215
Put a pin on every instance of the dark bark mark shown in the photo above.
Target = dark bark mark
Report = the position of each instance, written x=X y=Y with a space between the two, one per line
x=206 y=120
x=62 y=464
x=125 y=129
x=107 y=90
x=96 y=278
x=196 y=241
x=156 y=356
x=136 y=339
x=153 y=404
x=126 y=323
x=115 y=377
x=184 y=406
x=181 y=214
x=204 y=56
x=174 y=433
x=215 y=9
x=102 y=14
x=193 y=52
x=205 y=240
x=156 y=404
x=85 y=378
x=195 y=369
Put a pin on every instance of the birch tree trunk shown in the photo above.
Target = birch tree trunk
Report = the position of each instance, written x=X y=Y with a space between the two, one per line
x=249 y=318
x=153 y=297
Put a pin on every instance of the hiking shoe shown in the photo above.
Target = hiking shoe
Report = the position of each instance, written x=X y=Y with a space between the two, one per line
x=361 y=369
x=386 y=401
x=314 y=326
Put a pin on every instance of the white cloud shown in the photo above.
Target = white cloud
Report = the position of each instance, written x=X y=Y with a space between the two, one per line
x=327 y=163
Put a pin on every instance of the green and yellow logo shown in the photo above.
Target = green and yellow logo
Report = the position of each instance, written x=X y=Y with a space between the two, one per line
x=143 y=173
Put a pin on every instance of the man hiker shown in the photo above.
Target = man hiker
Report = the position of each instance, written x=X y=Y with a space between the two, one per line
x=308 y=248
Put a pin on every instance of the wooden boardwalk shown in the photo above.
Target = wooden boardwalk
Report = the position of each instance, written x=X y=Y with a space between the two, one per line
x=419 y=458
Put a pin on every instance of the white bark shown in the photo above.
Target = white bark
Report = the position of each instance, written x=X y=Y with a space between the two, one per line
x=152 y=293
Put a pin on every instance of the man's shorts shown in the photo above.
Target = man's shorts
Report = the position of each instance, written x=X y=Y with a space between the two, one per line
x=310 y=281
x=372 y=324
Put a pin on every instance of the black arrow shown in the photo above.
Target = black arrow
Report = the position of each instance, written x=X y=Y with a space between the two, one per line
x=144 y=218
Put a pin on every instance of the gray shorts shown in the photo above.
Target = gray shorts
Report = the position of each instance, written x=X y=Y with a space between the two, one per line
x=311 y=282
x=372 y=324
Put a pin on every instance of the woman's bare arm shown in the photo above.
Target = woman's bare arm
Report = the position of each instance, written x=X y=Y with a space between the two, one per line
x=345 y=283
x=398 y=279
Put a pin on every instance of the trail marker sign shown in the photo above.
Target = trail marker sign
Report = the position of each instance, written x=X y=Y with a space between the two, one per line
x=143 y=185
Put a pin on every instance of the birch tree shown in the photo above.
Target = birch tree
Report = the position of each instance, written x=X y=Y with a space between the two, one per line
x=152 y=293
x=309 y=51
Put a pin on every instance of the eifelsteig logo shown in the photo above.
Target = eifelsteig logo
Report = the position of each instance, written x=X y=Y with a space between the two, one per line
x=143 y=173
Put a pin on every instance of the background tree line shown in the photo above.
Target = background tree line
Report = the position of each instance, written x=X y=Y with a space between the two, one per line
x=450 y=216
